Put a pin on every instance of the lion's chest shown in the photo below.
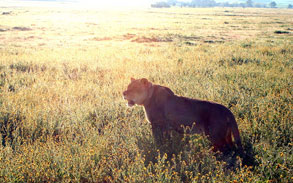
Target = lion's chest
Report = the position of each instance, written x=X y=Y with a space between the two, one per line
x=155 y=115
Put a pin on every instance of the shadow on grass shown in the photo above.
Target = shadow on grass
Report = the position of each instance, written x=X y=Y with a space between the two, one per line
x=248 y=157
x=179 y=144
x=171 y=147
x=232 y=157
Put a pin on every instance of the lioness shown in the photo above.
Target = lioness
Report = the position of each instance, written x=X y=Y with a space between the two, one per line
x=167 y=111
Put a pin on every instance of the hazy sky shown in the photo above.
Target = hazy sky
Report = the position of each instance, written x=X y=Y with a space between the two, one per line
x=117 y=2
x=128 y=3
x=90 y=3
x=108 y=3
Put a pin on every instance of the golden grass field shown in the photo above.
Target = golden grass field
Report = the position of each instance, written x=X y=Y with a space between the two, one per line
x=63 y=71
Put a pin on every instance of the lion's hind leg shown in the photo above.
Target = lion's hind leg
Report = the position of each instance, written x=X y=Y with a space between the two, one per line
x=218 y=141
x=219 y=145
x=221 y=139
x=228 y=139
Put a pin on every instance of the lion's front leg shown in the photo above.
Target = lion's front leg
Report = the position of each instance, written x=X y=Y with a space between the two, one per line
x=161 y=134
x=158 y=135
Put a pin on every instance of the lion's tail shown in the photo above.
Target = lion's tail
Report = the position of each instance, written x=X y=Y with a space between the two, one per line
x=236 y=134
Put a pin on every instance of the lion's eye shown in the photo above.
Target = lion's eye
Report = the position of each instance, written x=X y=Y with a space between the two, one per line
x=133 y=88
x=130 y=90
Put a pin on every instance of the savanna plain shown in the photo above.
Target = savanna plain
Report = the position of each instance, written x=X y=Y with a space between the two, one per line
x=63 y=71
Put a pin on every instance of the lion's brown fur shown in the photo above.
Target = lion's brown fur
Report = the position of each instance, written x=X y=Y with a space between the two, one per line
x=167 y=111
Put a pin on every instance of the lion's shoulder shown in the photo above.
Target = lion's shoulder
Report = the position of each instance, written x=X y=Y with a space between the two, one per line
x=162 y=90
x=162 y=94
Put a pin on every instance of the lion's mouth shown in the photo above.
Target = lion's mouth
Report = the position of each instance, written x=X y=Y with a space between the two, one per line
x=130 y=103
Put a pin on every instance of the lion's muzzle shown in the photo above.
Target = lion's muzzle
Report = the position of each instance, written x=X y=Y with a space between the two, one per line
x=130 y=101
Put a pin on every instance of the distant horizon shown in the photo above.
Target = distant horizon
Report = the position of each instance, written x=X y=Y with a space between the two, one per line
x=78 y=3
x=118 y=3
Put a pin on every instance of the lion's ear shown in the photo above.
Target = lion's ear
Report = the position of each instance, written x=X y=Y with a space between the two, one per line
x=132 y=79
x=144 y=81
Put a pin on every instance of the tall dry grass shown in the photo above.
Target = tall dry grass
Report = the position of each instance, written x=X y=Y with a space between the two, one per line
x=62 y=72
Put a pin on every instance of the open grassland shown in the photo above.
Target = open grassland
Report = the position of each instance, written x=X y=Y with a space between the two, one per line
x=62 y=72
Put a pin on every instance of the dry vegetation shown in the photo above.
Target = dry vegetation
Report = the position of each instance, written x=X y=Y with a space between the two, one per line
x=62 y=72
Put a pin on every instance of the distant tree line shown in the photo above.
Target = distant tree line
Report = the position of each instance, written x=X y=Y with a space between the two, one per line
x=161 y=5
x=212 y=3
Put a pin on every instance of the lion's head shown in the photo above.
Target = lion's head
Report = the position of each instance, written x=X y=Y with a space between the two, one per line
x=137 y=91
